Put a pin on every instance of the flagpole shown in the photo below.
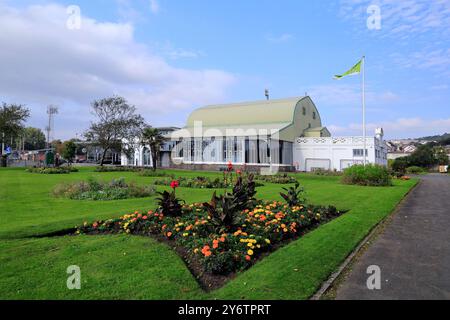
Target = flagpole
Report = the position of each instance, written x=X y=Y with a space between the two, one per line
x=364 y=106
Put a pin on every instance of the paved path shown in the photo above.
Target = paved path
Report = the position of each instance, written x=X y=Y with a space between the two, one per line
x=413 y=252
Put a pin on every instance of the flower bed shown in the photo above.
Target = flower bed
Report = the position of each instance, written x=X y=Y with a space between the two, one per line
x=277 y=178
x=200 y=182
x=93 y=189
x=151 y=173
x=56 y=170
x=225 y=235
x=116 y=169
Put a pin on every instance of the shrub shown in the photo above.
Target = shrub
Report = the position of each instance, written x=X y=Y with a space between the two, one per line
x=415 y=170
x=368 y=175
x=169 y=204
x=55 y=170
x=93 y=189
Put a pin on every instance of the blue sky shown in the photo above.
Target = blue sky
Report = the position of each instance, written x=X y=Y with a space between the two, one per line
x=168 y=57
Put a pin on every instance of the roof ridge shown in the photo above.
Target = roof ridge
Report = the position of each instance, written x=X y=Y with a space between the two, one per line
x=237 y=104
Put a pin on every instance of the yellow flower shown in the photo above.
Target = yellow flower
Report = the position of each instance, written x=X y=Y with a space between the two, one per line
x=250 y=252
x=267 y=241
x=250 y=244
x=185 y=234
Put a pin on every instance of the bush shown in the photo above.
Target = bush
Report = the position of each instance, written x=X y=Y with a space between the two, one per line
x=116 y=169
x=93 y=189
x=56 y=170
x=368 y=175
x=415 y=170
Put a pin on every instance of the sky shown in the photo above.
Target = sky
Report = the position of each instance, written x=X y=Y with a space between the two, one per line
x=168 y=57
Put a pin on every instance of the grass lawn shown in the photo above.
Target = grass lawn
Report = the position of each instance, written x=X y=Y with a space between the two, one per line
x=128 y=267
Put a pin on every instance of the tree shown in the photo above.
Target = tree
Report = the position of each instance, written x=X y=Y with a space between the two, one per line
x=12 y=118
x=69 y=150
x=118 y=125
x=423 y=157
x=153 y=138
x=441 y=156
x=34 y=138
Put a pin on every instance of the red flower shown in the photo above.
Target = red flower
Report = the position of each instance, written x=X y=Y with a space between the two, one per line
x=230 y=166
x=144 y=217
x=238 y=172
x=248 y=258
x=174 y=184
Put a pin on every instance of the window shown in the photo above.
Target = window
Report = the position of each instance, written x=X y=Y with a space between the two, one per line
x=359 y=153
x=314 y=115
x=304 y=111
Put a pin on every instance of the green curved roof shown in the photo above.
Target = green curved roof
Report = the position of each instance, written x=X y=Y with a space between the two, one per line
x=246 y=113
x=288 y=118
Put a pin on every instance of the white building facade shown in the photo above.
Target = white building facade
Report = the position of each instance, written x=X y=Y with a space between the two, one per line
x=337 y=153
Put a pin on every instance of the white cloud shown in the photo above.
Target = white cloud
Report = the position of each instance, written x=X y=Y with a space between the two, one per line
x=43 y=62
x=400 y=128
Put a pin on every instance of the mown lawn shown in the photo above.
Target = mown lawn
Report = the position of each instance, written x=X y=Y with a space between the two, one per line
x=127 y=267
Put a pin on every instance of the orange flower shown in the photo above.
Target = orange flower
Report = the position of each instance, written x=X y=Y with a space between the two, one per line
x=169 y=234
x=215 y=244
x=206 y=251
x=222 y=239
x=248 y=258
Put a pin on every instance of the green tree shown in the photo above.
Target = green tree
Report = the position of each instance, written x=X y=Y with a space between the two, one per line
x=12 y=118
x=117 y=127
x=441 y=156
x=34 y=138
x=69 y=151
x=423 y=157
x=153 y=138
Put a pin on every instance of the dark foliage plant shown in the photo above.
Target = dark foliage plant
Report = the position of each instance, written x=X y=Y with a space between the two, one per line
x=293 y=195
x=169 y=204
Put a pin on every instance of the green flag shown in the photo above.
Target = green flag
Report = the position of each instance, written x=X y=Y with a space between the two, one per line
x=354 y=70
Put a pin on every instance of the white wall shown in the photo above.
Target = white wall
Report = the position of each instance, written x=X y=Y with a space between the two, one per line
x=336 y=153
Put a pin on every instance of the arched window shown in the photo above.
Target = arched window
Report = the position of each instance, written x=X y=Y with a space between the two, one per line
x=314 y=115
x=147 y=157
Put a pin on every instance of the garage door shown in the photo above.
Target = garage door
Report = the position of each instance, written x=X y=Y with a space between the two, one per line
x=313 y=164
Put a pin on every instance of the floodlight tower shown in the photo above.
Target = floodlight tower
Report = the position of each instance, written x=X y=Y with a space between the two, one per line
x=51 y=111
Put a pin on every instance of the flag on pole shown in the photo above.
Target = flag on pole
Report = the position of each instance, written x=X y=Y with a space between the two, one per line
x=356 y=69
